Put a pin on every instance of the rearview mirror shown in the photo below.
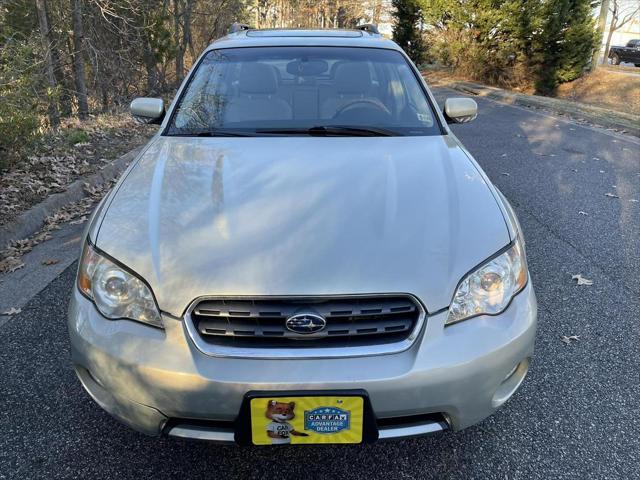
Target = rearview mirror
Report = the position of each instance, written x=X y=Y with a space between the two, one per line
x=460 y=110
x=148 y=110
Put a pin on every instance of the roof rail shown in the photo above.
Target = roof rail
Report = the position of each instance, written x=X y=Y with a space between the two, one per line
x=369 y=27
x=239 y=27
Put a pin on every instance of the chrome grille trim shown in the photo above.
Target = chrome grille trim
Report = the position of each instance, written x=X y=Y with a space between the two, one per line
x=303 y=352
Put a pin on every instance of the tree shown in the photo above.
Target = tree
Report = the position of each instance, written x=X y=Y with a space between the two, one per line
x=621 y=14
x=602 y=22
x=78 y=60
x=20 y=110
x=99 y=54
x=487 y=40
x=182 y=11
x=406 y=31
x=563 y=47
x=47 y=47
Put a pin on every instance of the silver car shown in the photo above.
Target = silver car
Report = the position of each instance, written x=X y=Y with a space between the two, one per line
x=304 y=253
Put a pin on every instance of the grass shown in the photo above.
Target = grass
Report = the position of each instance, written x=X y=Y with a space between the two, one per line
x=606 y=87
x=75 y=136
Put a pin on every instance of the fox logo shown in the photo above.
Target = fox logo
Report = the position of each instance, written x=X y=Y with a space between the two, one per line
x=280 y=430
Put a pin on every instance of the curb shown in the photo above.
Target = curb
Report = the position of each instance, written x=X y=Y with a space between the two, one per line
x=32 y=220
x=597 y=115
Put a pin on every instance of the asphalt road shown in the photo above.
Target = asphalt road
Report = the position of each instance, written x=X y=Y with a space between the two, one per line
x=576 y=416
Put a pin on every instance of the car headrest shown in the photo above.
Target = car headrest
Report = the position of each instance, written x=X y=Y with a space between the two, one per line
x=257 y=78
x=353 y=77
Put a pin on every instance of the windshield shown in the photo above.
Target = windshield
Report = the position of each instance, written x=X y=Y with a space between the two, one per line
x=303 y=90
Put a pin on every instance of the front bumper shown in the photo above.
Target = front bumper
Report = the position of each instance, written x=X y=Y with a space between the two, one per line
x=148 y=378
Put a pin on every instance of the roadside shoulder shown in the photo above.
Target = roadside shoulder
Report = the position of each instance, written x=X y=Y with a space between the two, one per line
x=622 y=122
x=33 y=219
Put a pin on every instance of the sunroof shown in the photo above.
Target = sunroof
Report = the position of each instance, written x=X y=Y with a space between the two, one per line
x=304 y=33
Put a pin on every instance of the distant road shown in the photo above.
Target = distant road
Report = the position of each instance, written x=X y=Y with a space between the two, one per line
x=624 y=69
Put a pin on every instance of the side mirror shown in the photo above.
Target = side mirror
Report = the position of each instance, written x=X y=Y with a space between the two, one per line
x=148 y=110
x=460 y=110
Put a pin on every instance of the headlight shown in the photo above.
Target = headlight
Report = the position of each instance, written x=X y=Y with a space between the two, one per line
x=489 y=289
x=116 y=292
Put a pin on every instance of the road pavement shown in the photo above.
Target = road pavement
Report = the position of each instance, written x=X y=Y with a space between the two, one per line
x=576 y=416
x=625 y=68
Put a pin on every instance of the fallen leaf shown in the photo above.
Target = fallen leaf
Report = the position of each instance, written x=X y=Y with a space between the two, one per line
x=12 y=311
x=80 y=220
x=568 y=339
x=582 y=213
x=506 y=174
x=50 y=262
x=8 y=263
x=503 y=155
x=611 y=195
x=633 y=200
x=581 y=280
x=15 y=267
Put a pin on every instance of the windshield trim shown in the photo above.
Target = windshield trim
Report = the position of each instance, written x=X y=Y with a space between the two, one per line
x=187 y=82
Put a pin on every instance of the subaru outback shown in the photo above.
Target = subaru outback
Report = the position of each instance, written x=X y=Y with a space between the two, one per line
x=303 y=253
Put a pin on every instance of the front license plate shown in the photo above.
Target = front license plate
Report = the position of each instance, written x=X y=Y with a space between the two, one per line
x=306 y=420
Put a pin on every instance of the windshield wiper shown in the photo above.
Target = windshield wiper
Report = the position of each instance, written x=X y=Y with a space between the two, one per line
x=320 y=131
x=214 y=133
x=332 y=130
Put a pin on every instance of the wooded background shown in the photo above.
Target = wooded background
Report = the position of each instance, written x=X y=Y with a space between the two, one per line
x=73 y=58
x=96 y=54
x=512 y=43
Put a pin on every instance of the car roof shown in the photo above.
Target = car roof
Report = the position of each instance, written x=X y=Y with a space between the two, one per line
x=303 y=38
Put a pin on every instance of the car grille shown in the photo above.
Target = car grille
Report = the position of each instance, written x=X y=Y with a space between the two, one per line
x=261 y=323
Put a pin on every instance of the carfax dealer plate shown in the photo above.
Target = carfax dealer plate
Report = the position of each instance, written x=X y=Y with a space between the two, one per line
x=291 y=420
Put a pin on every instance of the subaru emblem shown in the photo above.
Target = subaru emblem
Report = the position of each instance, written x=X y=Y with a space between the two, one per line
x=306 y=323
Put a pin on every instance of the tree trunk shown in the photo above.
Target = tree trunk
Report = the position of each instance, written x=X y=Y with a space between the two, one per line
x=182 y=10
x=602 y=23
x=178 y=26
x=612 y=28
x=45 y=36
x=149 y=59
x=65 y=86
x=103 y=86
x=186 y=30
x=78 y=59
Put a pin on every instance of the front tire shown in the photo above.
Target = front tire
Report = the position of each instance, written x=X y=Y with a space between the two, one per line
x=615 y=59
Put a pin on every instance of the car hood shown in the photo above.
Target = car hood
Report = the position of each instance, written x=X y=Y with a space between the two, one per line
x=302 y=216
